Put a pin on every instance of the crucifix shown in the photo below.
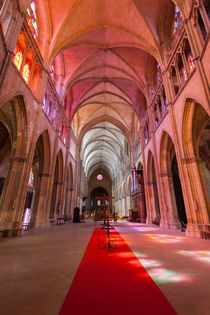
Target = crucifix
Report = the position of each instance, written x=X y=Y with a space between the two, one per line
x=104 y=198
x=108 y=241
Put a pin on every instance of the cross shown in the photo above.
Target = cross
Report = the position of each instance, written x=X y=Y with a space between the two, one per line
x=104 y=197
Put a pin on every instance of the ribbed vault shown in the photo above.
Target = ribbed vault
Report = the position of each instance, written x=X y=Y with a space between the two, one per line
x=105 y=55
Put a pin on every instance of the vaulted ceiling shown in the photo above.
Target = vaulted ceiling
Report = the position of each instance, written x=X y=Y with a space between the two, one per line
x=105 y=55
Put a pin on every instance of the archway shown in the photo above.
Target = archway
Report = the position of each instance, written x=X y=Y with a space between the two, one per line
x=97 y=204
x=153 y=192
x=5 y=154
x=178 y=192
x=13 y=137
x=204 y=155
x=34 y=210
x=196 y=144
x=34 y=183
x=55 y=208
x=175 y=213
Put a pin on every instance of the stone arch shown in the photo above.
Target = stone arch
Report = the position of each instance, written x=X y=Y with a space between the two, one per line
x=154 y=207
x=14 y=127
x=174 y=206
x=196 y=144
x=98 y=204
x=56 y=197
x=38 y=183
x=5 y=154
x=13 y=115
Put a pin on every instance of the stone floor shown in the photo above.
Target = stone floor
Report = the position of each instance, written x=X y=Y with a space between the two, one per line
x=38 y=268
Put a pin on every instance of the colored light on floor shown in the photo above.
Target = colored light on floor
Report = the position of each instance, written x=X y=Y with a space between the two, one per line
x=197 y=255
x=103 y=275
x=162 y=275
x=142 y=229
x=162 y=238
x=138 y=255
x=150 y=263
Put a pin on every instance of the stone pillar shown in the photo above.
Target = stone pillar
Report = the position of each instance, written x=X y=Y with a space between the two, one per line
x=197 y=214
x=65 y=174
x=41 y=218
x=151 y=202
x=52 y=167
x=142 y=214
x=11 y=198
x=170 y=218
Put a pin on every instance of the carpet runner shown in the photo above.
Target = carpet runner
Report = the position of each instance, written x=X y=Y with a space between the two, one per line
x=113 y=283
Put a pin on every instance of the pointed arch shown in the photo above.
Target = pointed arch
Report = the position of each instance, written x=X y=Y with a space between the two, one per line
x=169 y=172
x=196 y=144
x=154 y=207
x=14 y=131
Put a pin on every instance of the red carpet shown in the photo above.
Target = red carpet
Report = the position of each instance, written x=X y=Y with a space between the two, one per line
x=113 y=283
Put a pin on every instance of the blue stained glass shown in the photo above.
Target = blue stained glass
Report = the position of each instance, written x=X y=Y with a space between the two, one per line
x=33 y=8
x=177 y=19
x=32 y=19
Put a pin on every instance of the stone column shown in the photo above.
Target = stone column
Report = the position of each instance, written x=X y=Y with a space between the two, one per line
x=197 y=214
x=65 y=173
x=170 y=216
x=41 y=218
x=52 y=167
x=151 y=211
x=142 y=215
x=12 y=194
x=163 y=221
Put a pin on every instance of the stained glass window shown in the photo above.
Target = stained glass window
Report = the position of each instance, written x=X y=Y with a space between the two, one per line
x=184 y=73
x=99 y=177
x=54 y=116
x=26 y=72
x=49 y=108
x=190 y=62
x=177 y=19
x=32 y=19
x=18 y=59
x=52 y=71
x=31 y=179
x=44 y=103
